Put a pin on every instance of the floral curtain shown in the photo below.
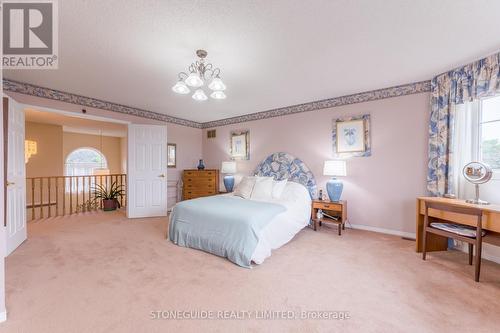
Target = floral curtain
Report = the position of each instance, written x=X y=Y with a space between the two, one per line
x=478 y=79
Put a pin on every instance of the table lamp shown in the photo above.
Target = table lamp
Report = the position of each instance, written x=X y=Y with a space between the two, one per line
x=228 y=168
x=334 y=186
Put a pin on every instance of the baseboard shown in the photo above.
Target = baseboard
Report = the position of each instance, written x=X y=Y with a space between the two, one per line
x=489 y=252
x=381 y=230
x=3 y=316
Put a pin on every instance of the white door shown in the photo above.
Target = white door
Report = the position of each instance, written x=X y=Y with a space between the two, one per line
x=147 y=171
x=16 y=178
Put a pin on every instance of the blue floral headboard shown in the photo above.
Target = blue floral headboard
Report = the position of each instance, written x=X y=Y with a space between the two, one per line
x=285 y=166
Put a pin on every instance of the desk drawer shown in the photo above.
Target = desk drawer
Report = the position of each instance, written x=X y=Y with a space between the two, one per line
x=328 y=206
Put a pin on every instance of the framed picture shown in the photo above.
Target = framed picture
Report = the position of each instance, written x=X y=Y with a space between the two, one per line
x=351 y=137
x=171 y=155
x=240 y=145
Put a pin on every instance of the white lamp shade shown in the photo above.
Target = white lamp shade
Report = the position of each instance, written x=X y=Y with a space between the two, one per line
x=218 y=95
x=181 y=88
x=335 y=168
x=194 y=80
x=217 y=84
x=199 y=95
x=228 y=167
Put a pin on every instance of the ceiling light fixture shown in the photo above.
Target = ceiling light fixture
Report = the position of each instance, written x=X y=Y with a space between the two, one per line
x=199 y=73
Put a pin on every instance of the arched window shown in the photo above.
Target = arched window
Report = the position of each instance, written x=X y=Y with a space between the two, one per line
x=84 y=162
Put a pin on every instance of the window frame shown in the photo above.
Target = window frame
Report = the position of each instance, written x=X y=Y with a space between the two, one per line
x=479 y=134
x=97 y=151
x=76 y=181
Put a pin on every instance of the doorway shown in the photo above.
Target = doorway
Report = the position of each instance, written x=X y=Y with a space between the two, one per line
x=64 y=156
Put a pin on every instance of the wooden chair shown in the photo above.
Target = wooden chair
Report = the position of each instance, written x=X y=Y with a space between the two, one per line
x=471 y=241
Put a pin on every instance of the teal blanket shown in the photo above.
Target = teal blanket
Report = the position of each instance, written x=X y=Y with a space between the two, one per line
x=225 y=226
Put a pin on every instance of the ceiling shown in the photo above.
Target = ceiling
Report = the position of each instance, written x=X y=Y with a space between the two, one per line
x=76 y=124
x=272 y=53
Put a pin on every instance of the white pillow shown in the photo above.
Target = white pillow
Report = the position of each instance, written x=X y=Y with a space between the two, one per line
x=278 y=188
x=245 y=187
x=263 y=189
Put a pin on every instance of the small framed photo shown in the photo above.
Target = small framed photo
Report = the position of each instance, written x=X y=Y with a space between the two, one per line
x=171 y=155
x=240 y=145
x=351 y=136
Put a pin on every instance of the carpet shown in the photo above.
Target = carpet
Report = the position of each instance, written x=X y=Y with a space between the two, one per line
x=100 y=272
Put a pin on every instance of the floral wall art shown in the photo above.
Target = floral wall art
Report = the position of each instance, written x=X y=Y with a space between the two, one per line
x=351 y=137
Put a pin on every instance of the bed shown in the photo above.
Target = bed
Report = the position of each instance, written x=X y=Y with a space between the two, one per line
x=246 y=230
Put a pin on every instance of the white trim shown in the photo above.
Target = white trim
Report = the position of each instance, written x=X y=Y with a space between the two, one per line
x=3 y=316
x=381 y=230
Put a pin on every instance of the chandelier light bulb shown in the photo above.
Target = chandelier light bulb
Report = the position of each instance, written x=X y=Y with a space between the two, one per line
x=198 y=74
x=199 y=95
x=218 y=95
x=194 y=80
x=217 y=84
x=181 y=88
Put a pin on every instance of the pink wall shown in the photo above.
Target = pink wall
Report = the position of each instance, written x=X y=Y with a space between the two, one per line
x=188 y=141
x=380 y=189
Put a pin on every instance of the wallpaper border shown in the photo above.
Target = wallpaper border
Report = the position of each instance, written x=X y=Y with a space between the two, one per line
x=33 y=90
x=396 y=91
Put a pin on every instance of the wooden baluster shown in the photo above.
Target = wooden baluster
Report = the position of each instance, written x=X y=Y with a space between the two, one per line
x=125 y=187
x=95 y=182
x=101 y=185
x=64 y=196
x=70 y=195
x=77 y=190
x=91 y=186
x=83 y=193
x=57 y=196
x=41 y=197
x=121 y=186
x=32 y=198
x=48 y=206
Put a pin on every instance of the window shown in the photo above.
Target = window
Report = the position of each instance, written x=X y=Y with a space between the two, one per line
x=84 y=162
x=489 y=132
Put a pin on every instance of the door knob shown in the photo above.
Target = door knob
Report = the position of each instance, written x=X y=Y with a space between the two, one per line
x=162 y=176
x=10 y=183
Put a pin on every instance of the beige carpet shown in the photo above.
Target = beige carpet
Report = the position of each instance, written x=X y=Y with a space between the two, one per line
x=103 y=273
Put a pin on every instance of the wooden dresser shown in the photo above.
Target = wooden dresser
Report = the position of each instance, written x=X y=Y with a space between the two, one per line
x=199 y=183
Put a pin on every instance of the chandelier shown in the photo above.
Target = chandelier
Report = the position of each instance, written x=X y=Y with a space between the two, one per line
x=199 y=74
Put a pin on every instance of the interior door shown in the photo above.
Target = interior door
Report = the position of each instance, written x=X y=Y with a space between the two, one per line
x=15 y=210
x=147 y=171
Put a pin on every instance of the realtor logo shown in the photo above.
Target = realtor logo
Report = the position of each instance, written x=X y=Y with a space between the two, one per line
x=30 y=34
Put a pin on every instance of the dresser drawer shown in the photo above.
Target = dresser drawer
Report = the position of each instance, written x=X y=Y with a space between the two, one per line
x=198 y=180
x=199 y=185
x=190 y=194
x=197 y=174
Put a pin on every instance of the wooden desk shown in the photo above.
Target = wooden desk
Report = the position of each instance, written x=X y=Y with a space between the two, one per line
x=491 y=222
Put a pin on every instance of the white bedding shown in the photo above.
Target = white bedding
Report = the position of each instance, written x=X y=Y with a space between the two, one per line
x=286 y=225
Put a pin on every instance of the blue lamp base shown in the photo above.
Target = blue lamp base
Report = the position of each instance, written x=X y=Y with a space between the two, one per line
x=229 y=183
x=334 y=188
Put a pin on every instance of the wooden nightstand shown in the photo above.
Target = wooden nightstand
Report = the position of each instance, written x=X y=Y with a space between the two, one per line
x=335 y=209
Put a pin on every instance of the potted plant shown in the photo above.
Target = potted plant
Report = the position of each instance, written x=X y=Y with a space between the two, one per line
x=109 y=196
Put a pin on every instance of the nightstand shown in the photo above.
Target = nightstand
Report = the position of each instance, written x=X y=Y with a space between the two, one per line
x=335 y=209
